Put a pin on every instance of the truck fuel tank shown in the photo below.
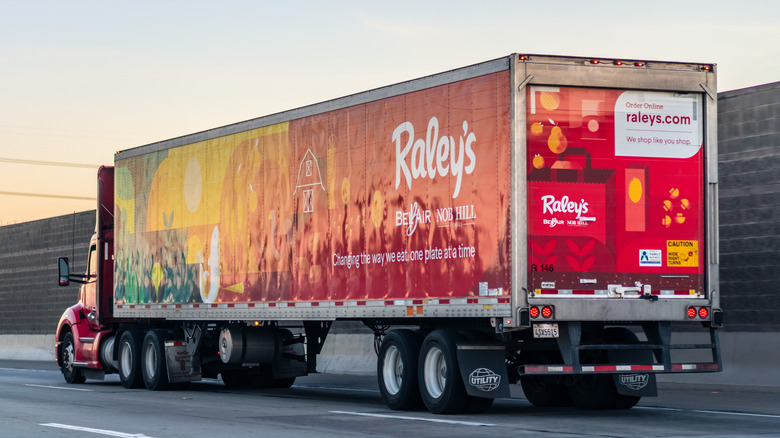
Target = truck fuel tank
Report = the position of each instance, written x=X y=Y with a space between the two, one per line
x=240 y=344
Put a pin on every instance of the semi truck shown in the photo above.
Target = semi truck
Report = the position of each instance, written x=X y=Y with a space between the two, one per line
x=543 y=221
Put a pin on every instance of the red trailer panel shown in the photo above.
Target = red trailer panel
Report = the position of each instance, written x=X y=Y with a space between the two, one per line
x=405 y=197
x=615 y=191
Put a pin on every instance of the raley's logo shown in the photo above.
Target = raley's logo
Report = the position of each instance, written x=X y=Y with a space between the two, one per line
x=433 y=155
x=634 y=381
x=551 y=205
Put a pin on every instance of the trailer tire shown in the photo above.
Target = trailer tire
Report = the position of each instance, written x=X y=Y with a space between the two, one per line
x=397 y=370
x=545 y=391
x=598 y=391
x=130 y=359
x=70 y=372
x=622 y=335
x=441 y=386
x=235 y=378
x=477 y=405
x=592 y=391
x=283 y=383
x=153 y=365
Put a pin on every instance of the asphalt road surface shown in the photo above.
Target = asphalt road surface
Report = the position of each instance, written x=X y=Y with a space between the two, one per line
x=35 y=401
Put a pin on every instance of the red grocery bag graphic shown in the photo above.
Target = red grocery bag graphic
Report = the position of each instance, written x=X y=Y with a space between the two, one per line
x=570 y=201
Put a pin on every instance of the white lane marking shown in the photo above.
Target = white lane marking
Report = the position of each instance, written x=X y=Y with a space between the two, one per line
x=98 y=431
x=700 y=411
x=335 y=389
x=402 y=417
x=27 y=370
x=57 y=387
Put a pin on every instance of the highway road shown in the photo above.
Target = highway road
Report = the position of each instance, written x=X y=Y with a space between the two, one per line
x=35 y=401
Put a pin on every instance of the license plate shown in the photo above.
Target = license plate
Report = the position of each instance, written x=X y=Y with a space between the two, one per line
x=546 y=331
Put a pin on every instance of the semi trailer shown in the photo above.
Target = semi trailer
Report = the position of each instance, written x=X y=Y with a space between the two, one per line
x=547 y=221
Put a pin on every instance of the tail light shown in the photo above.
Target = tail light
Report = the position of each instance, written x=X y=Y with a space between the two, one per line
x=700 y=312
x=545 y=312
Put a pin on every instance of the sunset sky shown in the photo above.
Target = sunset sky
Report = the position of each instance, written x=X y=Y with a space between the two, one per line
x=81 y=80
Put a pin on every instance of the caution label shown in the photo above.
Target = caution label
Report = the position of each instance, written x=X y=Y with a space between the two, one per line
x=682 y=253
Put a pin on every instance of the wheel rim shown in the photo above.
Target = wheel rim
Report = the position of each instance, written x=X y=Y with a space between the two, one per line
x=126 y=359
x=435 y=372
x=393 y=370
x=67 y=356
x=150 y=361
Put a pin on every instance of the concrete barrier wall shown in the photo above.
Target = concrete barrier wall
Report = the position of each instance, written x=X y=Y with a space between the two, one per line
x=749 y=185
x=31 y=301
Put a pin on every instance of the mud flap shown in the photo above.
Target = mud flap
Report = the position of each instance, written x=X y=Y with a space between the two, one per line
x=181 y=364
x=483 y=370
x=636 y=384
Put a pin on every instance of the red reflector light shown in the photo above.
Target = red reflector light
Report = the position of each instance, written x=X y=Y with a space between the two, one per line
x=691 y=312
x=704 y=312
x=706 y=68
x=547 y=311
x=594 y=61
x=639 y=64
x=523 y=58
x=534 y=312
x=618 y=62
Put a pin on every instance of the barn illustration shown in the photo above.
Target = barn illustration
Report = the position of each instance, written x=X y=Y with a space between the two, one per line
x=309 y=182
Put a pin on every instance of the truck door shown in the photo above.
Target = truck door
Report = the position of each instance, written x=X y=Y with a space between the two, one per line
x=615 y=192
x=104 y=260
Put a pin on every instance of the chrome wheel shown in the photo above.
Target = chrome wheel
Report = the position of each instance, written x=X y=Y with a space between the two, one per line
x=435 y=371
x=393 y=370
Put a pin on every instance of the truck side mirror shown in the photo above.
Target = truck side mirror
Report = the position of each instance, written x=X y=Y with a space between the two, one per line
x=64 y=271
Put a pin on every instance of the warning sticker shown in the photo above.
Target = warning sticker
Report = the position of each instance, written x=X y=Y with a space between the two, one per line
x=682 y=253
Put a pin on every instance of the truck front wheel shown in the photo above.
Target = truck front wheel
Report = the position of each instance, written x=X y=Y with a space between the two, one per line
x=153 y=365
x=71 y=373
x=130 y=359
x=397 y=370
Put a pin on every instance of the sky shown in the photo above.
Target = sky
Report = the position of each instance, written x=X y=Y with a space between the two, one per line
x=81 y=80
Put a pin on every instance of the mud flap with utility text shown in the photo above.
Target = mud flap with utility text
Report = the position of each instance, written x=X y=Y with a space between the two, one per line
x=483 y=370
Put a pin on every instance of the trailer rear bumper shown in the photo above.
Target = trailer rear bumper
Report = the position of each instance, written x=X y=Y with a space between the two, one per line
x=612 y=369
x=582 y=352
